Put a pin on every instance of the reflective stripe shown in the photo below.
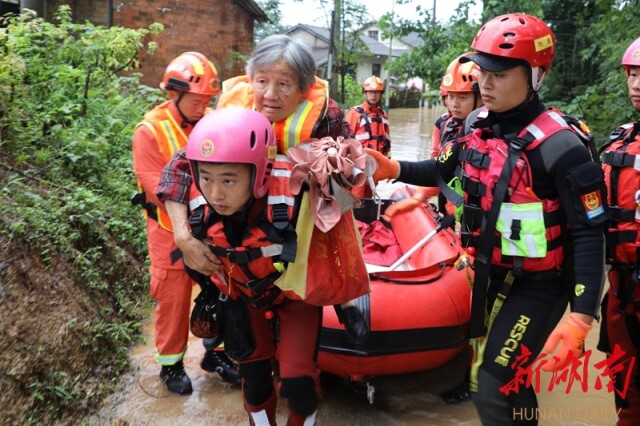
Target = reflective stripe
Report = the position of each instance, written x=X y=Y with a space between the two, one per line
x=281 y=173
x=170 y=138
x=169 y=359
x=535 y=131
x=170 y=130
x=363 y=136
x=197 y=202
x=558 y=118
x=296 y=128
x=531 y=240
x=260 y=418
x=280 y=199
x=295 y=122
x=284 y=158
x=271 y=250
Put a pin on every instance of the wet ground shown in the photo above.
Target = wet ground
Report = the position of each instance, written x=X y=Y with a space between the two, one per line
x=411 y=399
x=400 y=400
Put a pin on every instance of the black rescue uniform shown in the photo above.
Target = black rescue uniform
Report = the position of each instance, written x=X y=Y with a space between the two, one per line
x=530 y=303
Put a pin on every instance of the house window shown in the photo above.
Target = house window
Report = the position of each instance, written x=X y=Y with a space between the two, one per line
x=373 y=34
x=375 y=69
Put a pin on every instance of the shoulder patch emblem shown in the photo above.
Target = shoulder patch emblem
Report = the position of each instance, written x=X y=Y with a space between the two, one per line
x=592 y=204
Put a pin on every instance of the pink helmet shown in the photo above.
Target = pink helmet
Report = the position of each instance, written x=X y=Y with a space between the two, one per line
x=631 y=57
x=235 y=135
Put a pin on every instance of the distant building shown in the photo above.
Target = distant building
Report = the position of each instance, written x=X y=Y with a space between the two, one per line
x=318 y=40
x=220 y=29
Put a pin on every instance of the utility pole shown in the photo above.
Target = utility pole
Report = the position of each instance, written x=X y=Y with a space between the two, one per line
x=433 y=17
x=332 y=73
x=387 y=88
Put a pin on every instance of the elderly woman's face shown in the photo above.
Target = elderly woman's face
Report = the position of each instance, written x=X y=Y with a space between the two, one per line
x=275 y=91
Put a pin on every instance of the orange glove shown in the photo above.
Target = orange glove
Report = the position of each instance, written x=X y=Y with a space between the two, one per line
x=387 y=168
x=571 y=332
x=421 y=195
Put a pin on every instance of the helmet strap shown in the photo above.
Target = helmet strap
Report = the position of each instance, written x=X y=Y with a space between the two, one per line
x=185 y=121
x=537 y=77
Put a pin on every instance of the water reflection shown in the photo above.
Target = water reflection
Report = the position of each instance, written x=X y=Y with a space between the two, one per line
x=411 y=132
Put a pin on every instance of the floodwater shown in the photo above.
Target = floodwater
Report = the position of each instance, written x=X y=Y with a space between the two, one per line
x=400 y=400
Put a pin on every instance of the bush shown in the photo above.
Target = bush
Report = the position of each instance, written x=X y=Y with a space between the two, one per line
x=72 y=254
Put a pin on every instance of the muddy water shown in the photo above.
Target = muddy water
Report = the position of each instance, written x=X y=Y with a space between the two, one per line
x=400 y=400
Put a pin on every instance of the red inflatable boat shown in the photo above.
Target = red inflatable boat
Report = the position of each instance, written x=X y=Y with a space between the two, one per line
x=418 y=314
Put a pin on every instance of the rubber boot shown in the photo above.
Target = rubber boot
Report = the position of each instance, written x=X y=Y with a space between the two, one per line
x=263 y=414
x=216 y=361
x=176 y=378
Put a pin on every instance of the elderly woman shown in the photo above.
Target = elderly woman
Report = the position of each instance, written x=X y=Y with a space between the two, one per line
x=281 y=84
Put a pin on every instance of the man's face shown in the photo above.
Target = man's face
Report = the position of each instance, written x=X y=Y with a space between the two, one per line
x=373 y=97
x=193 y=105
x=633 y=83
x=502 y=91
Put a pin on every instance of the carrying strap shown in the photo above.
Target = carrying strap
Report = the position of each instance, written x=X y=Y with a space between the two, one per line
x=140 y=199
x=482 y=264
x=449 y=193
x=367 y=124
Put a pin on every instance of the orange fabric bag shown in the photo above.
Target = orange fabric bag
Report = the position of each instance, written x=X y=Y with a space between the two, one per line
x=329 y=268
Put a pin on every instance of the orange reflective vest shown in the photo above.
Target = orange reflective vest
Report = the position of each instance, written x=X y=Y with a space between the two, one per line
x=170 y=138
x=370 y=127
x=299 y=126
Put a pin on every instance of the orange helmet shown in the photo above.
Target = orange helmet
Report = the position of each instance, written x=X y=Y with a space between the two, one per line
x=191 y=72
x=461 y=77
x=373 y=84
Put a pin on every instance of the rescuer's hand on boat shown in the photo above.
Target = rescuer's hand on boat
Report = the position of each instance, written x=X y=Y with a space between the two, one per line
x=570 y=333
x=421 y=195
x=387 y=168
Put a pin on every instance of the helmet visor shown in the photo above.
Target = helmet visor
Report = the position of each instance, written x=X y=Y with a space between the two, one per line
x=492 y=63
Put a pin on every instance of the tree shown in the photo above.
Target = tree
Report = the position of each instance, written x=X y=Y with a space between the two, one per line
x=274 y=26
x=441 y=43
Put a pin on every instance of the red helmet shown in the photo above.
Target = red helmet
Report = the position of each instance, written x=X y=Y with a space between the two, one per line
x=461 y=77
x=373 y=84
x=631 y=57
x=191 y=72
x=235 y=135
x=521 y=37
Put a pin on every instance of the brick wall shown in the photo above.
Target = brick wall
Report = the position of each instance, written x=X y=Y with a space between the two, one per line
x=219 y=29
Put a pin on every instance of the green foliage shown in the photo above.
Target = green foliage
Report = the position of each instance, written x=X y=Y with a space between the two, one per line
x=264 y=29
x=441 y=43
x=69 y=102
x=352 y=92
x=586 y=78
